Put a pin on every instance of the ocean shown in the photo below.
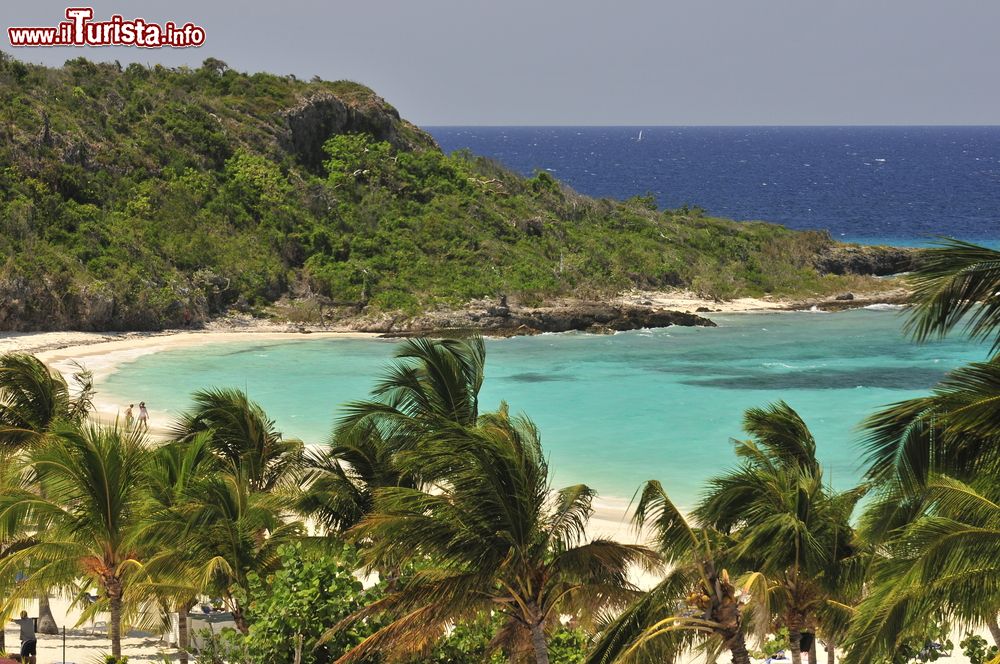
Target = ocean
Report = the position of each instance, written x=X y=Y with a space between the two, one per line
x=897 y=185
x=617 y=410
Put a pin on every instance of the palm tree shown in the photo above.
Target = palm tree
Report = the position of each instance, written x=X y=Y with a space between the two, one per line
x=244 y=437
x=435 y=383
x=956 y=283
x=492 y=537
x=88 y=519
x=696 y=604
x=222 y=532
x=341 y=480
x=175 y=471
x=786 y=522
x=920 y=452
x=951 y=430
x=947 y=560
x=33 y=399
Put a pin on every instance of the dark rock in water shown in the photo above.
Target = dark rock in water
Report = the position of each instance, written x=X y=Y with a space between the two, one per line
x=845 y=296
x=596 y=317
x=702 y=310
x=864 y=260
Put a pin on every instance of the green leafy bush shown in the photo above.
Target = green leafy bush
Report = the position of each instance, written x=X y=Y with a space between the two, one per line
x=315 y=590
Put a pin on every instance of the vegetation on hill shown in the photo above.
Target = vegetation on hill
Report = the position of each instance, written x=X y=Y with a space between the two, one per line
x=137 y=198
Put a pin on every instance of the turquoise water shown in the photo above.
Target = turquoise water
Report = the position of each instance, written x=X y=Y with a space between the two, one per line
x=616 y=410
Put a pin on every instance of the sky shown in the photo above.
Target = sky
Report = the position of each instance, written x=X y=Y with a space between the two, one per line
x=599 y=62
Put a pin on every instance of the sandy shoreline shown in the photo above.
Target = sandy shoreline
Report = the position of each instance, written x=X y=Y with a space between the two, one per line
x=104 y=352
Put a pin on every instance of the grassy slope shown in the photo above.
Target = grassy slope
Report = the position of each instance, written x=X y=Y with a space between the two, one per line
x=129 y=196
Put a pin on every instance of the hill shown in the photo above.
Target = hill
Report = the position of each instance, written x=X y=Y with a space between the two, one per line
x=141 y=198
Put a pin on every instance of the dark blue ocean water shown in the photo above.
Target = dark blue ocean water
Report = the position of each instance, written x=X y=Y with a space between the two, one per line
x=867 y=184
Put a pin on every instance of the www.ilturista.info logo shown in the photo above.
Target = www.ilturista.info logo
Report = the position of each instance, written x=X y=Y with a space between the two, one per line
x=80 y=30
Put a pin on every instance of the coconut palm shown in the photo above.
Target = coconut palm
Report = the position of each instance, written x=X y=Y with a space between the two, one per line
x=175 y=471
x=956 y=283
x=911 y=443
x=88 y=519
x=33 y=399
x=243 y=437
x=697 y=604
x=952 y=430
x=222 y=532
x=786 y=522
x=492 y=537
x=341 y=479
x=945 y=563
x=434 y=383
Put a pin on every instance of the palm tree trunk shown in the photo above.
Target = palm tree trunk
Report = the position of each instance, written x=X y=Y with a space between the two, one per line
x=46 y=621
x=994 y=630
x=831 y=651
x=539 y=643
x=116 y=626
x=795 y=644
x=738 y=648
x=183 y=639
x=813 y=655
x=241 y=621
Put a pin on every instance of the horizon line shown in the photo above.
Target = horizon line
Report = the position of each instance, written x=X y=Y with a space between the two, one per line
x=719 y=126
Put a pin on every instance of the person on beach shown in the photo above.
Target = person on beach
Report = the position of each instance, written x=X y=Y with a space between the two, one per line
x=28 y=641
x=129 y=417
x=143 y=416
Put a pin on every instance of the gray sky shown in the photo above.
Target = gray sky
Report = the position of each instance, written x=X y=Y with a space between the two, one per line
x=617 y=62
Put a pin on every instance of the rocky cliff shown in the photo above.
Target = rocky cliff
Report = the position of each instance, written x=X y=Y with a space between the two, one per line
x=879 y=261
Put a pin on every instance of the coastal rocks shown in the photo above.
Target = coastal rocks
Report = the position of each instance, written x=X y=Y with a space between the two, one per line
x=865 y=260
x=845 y=296
x=594 y=317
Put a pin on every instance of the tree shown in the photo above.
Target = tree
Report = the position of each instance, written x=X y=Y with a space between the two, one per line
x=227 y=532
x=943 y=563
x=931 y=454
x=88 y=519
x=434 y=384
x=243 y=437
x=956 y=283
x=493 y=537
x=33 y=399
x=341 y=480
x=787 y=524
x=289 y=608
x=176 y=469
x=696 y=604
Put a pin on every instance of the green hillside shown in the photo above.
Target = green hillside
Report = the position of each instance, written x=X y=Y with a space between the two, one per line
x=138 y=198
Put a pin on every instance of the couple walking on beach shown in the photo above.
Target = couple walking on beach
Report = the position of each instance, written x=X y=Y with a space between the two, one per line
x=143 y=416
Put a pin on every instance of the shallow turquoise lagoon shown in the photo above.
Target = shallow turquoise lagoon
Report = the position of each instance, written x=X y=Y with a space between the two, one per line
x=613 y=410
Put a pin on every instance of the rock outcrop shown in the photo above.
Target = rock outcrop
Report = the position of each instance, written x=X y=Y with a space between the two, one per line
x=320 y=116
x=865 y=260
x=580 y=316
